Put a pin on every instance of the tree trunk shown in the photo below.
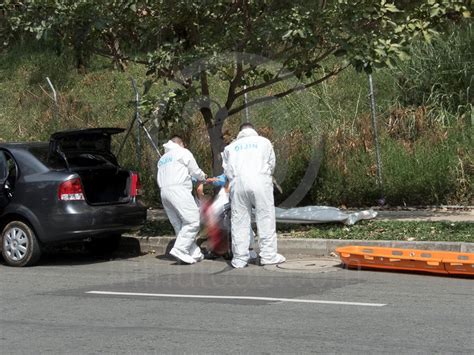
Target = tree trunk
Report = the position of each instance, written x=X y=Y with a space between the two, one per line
x=79 y=56
x=217 y=147
x=214 y=130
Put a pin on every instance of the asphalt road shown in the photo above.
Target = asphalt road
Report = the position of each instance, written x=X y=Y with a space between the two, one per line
x=150 y=305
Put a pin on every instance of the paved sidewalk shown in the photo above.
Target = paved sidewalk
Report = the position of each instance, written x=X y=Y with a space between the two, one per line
x=303 y=247
x=408 y=214
x=427 y=215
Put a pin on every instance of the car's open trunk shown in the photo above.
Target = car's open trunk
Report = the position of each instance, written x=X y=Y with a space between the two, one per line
x=88 y=153
x=103 y=186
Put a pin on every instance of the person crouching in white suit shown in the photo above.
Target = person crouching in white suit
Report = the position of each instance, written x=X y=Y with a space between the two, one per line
x=249 y=162
x=176 y=168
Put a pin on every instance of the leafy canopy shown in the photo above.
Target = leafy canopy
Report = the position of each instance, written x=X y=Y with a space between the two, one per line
x=183 y=42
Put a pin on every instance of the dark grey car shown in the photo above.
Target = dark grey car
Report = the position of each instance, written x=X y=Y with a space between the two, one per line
x=69 y=189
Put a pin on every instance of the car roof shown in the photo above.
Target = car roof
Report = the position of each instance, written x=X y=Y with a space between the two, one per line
x=62 y=134
x=23 y=145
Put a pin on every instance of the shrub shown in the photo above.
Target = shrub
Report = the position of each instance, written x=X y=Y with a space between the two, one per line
x=441 y=73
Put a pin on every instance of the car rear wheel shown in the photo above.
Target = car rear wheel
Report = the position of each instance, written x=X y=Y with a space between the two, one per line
x=20 y=247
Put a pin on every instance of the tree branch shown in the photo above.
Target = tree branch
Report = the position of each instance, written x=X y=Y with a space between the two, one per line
x=264 y=84
x=205 y=111
x=163 y=73
x=231 y=96
x=277 y=78
x=287 y=92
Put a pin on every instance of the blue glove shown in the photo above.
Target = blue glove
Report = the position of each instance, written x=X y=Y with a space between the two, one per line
x=222 y=179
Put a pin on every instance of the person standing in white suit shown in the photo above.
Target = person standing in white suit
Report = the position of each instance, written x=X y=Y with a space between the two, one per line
x=176 y=168
x=248 y=163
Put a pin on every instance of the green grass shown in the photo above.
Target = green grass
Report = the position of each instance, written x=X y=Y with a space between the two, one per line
x=364 y=230
x=427 y=158
x=398 y=230
x=440 y=73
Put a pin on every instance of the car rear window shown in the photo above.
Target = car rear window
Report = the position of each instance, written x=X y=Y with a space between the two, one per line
x=53 y=162
x=75 y=160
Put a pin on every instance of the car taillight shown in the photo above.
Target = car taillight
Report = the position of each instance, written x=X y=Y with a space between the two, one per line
x=135 y=187
x=71 y=190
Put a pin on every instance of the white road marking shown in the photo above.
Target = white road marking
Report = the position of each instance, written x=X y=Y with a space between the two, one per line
x=246 y=298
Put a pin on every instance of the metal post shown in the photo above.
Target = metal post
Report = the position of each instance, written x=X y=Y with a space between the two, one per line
x=140 y=123
x=247 y=113
x=137 y=116
x=53 y=90
x=55 y=98
x=376 y=138
x=246 y=108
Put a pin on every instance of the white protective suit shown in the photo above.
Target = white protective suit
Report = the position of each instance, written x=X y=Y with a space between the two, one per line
x=176 y=168
x=218 y=206
x=249 y=163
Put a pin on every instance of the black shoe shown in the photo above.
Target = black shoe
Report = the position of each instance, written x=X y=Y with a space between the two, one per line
x=227 y=256
x=209 y=255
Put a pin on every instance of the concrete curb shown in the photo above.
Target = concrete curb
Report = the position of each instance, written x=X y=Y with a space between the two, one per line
x=313 y=247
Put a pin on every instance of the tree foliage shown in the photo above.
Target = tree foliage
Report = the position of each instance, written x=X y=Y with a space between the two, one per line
x=183 y=42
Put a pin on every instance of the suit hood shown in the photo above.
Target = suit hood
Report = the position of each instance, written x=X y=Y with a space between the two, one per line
x=170 y=145
x=247 y=132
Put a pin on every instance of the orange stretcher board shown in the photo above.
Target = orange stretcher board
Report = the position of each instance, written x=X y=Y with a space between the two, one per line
x=432 y=261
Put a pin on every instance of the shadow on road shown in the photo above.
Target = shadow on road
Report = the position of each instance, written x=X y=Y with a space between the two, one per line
x=167 y=257
x=406 y=272
x=78 y=254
